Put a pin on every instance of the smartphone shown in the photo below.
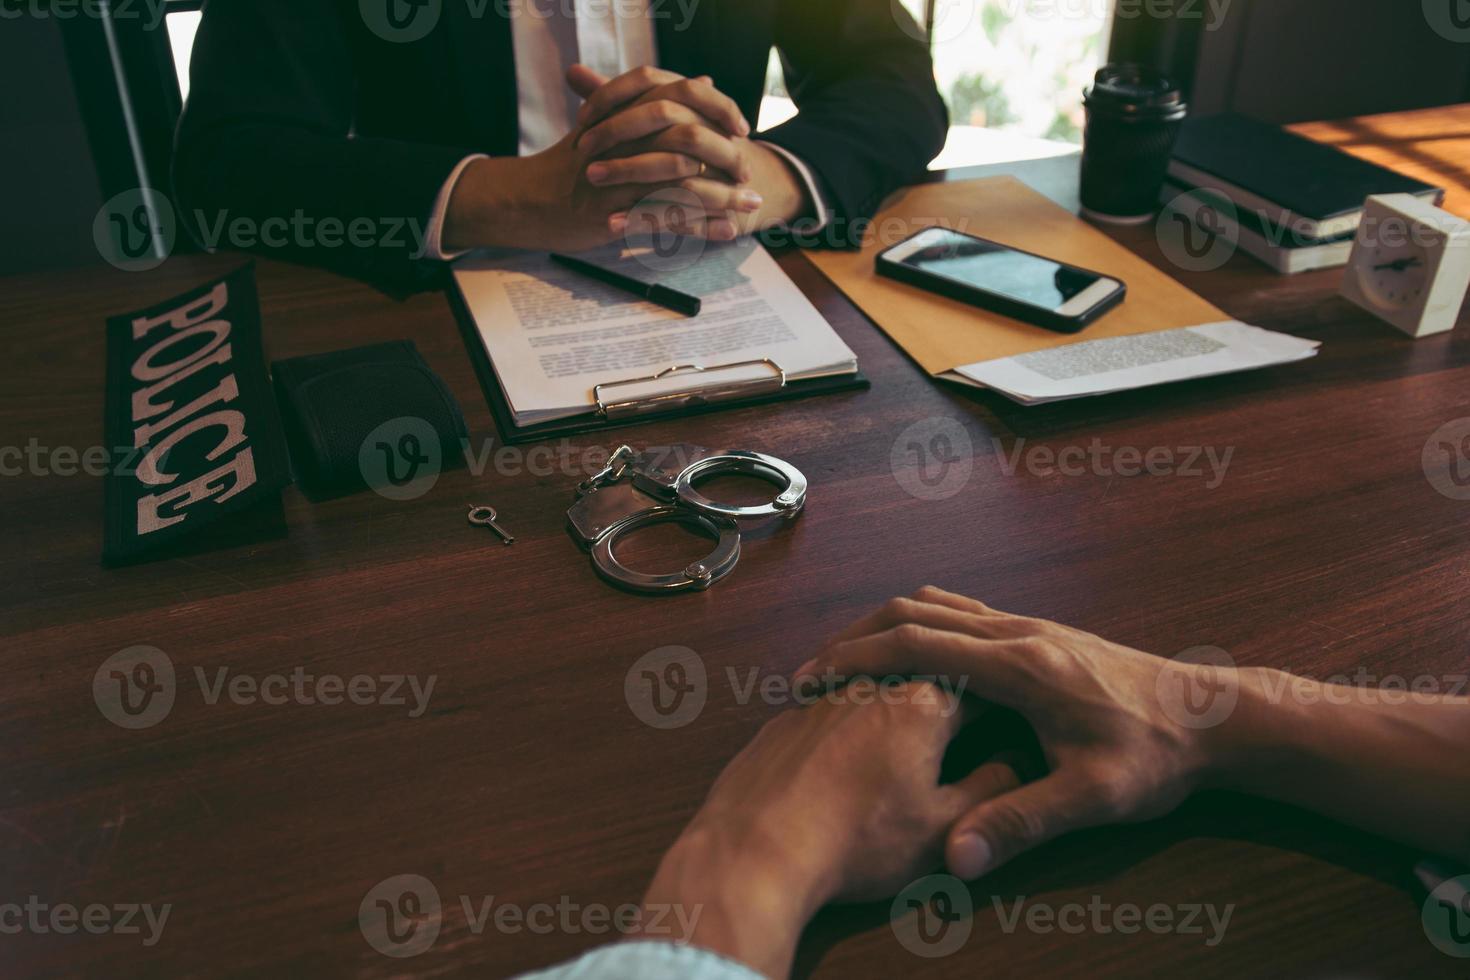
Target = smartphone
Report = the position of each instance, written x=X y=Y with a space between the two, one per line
x=1002 y=279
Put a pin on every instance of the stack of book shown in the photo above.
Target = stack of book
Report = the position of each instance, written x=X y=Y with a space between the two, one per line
x=1291 y=202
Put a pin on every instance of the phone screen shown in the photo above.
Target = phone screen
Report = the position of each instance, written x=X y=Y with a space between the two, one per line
x=986 y=265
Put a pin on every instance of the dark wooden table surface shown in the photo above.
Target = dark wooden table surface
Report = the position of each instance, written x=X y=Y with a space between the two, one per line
x=1325 y=549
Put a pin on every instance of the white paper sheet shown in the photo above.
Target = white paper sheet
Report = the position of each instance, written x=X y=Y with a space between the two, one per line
x=553 y=334
x=1121 y=363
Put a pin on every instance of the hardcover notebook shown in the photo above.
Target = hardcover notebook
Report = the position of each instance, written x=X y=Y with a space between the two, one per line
x=563 y=352
x=1275 y=245
x=1315 y=189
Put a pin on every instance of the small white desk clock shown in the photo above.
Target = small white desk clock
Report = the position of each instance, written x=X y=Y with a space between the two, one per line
x=1410 y=265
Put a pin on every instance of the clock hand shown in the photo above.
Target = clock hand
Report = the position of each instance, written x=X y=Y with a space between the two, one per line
x=1400 y=265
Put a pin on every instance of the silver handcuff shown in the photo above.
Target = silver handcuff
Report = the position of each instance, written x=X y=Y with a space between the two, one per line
x=637 y=490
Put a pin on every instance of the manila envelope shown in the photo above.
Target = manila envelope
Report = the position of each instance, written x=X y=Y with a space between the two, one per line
x=943 y=334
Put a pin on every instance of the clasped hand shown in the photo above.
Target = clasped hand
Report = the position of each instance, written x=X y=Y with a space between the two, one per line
x=652 y=151
x=842 y=800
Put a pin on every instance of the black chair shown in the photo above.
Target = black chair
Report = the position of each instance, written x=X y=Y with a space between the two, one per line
x=122 y=68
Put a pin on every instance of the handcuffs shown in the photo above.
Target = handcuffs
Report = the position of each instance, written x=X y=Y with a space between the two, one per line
x=637 y=490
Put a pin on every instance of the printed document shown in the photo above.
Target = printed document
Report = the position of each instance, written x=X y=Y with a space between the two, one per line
x=1098 y=367
x=553 y=334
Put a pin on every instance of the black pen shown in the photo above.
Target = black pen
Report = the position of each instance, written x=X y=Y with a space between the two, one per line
x=669 y=299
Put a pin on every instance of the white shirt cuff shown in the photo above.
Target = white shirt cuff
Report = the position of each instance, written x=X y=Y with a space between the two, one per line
x=646 y=960
x=810 y=180
x=434 y=233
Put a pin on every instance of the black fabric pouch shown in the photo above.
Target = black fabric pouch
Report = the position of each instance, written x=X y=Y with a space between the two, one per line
x=369 y=417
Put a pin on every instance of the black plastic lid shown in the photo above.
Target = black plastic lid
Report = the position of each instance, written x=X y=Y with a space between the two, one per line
x=1135 y=92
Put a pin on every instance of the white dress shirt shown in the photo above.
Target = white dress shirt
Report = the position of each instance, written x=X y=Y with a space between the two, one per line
x=609 y=38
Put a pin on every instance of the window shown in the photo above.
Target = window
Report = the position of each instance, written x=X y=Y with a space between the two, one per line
x=182 y=26
x=1011 y=71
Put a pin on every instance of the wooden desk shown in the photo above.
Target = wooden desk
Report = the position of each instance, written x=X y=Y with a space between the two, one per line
x=1432 y=145
x=1325 y=550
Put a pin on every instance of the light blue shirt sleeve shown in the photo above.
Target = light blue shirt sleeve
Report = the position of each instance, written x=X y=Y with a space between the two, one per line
x=647 y=961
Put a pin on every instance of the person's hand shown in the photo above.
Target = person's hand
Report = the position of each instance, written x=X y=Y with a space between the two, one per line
x=669 y=166
x=658 y=129
x=546 y=201
x=542 y=202
x=1114 y=754
x=837 y=801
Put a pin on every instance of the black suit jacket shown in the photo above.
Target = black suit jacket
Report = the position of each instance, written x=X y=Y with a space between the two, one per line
x=297 y=108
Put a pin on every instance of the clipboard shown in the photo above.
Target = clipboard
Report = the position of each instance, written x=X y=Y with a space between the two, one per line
x=704 y=393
